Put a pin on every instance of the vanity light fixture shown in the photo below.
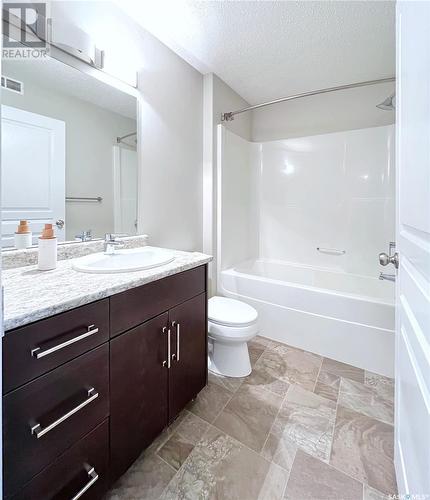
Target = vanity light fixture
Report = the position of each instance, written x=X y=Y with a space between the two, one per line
x=71 y=39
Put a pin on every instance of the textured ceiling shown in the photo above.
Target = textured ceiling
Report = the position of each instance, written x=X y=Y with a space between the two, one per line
x=265 y=49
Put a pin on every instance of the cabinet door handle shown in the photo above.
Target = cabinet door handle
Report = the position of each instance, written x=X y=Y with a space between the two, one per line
x=93 y=476
x=178 y=337
x=167 y=363
x=37 y=353
x=37 y=429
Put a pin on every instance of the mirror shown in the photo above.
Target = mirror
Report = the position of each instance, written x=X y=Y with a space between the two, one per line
x=68 y=152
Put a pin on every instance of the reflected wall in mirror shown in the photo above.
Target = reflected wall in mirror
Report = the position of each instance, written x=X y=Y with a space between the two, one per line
x=68 y=152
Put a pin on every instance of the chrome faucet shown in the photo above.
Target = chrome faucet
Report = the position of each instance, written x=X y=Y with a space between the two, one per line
x=84 y=235
x=111 y=242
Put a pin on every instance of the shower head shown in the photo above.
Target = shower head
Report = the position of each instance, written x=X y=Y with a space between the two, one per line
x=389 y=104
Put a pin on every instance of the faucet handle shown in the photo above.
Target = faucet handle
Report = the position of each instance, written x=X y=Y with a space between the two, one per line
x=113 y=236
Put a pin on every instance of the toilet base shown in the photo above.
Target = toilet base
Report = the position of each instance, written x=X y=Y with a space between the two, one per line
x=229 y=360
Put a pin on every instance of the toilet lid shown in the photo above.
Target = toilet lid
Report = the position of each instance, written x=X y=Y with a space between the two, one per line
x=230 y=312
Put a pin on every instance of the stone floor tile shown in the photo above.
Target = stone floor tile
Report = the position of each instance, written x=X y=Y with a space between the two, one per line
x=219 y=468
x=146 y=479
x=249 y=415
x=274 y=484
x=263 y=376
x=307 y=420
x=291 y=365
x=210 y=401
x=312 y=479
x=363 y=447
x=342 y=370
x=327 y=385
x=367 y=399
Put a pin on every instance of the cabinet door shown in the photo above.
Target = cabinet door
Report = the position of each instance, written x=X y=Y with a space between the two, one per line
x=138 y=391
x=188 y=371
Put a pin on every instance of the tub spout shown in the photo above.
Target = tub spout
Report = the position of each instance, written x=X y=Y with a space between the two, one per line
x=388 y=277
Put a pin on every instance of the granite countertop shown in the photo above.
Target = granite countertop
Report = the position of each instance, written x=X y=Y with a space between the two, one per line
x=30 y=295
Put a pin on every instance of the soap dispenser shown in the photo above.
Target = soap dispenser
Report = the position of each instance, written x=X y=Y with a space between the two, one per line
x=23 y=236
x=47 y=251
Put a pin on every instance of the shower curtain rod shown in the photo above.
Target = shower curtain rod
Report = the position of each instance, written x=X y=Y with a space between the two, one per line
x=120 y=139
x=229 y=116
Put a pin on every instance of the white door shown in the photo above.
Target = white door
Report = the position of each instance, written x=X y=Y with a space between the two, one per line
x=33 y=172
x=412 y=423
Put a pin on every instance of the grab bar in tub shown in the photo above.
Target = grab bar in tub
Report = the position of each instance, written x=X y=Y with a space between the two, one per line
x=331 y=251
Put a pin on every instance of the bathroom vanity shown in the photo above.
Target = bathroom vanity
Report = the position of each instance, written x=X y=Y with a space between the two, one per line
x=88 y=386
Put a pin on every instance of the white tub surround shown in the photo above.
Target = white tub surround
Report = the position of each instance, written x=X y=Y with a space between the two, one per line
x=12 y=258
x=345 y=317
x=282 y=200
x=30 y=295
x=308 y=216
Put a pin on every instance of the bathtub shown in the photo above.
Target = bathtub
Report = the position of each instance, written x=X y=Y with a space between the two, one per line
x=342 y=316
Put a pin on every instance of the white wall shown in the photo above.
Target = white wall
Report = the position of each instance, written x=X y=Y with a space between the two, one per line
x=218 y=98
x=171 y=155
x=324 y=113
x=91 y=133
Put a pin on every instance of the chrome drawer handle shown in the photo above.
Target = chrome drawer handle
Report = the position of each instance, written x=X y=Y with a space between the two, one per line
x=178 y=339
x=167 y=363
x=37 y=353
x=92 y=474
x=37 y=429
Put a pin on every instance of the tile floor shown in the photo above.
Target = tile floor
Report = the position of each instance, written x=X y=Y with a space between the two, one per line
x=299 y=427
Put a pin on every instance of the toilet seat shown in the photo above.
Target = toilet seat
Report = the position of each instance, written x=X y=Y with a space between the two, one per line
x=228 y=334
x=231 y=313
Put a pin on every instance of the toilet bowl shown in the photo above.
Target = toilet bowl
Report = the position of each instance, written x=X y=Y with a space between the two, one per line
x=231 y=324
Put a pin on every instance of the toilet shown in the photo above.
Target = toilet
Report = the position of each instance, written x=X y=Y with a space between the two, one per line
x=231 y=324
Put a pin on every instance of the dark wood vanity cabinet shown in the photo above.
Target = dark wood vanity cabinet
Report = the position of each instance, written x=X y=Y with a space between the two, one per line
x=188 y=368
x=87 y=390
x=139 y=385
x=156 y=369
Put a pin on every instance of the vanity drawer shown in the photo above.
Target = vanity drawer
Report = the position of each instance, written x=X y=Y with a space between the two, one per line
x=84 y=465
x=45 y=417
x=37 y=348
x=135 y=306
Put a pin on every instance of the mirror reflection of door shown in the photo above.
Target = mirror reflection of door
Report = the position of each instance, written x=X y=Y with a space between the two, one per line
x=125 y=188
x=33 y=172
x=59 y=131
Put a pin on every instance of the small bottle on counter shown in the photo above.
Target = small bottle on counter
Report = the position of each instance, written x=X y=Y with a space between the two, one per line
x=47 y=249
x=23 y=235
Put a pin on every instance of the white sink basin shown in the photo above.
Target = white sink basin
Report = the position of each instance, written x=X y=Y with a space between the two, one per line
x=123 y=261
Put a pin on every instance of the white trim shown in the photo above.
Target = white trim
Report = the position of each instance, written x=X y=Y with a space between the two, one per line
x=116 y=185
